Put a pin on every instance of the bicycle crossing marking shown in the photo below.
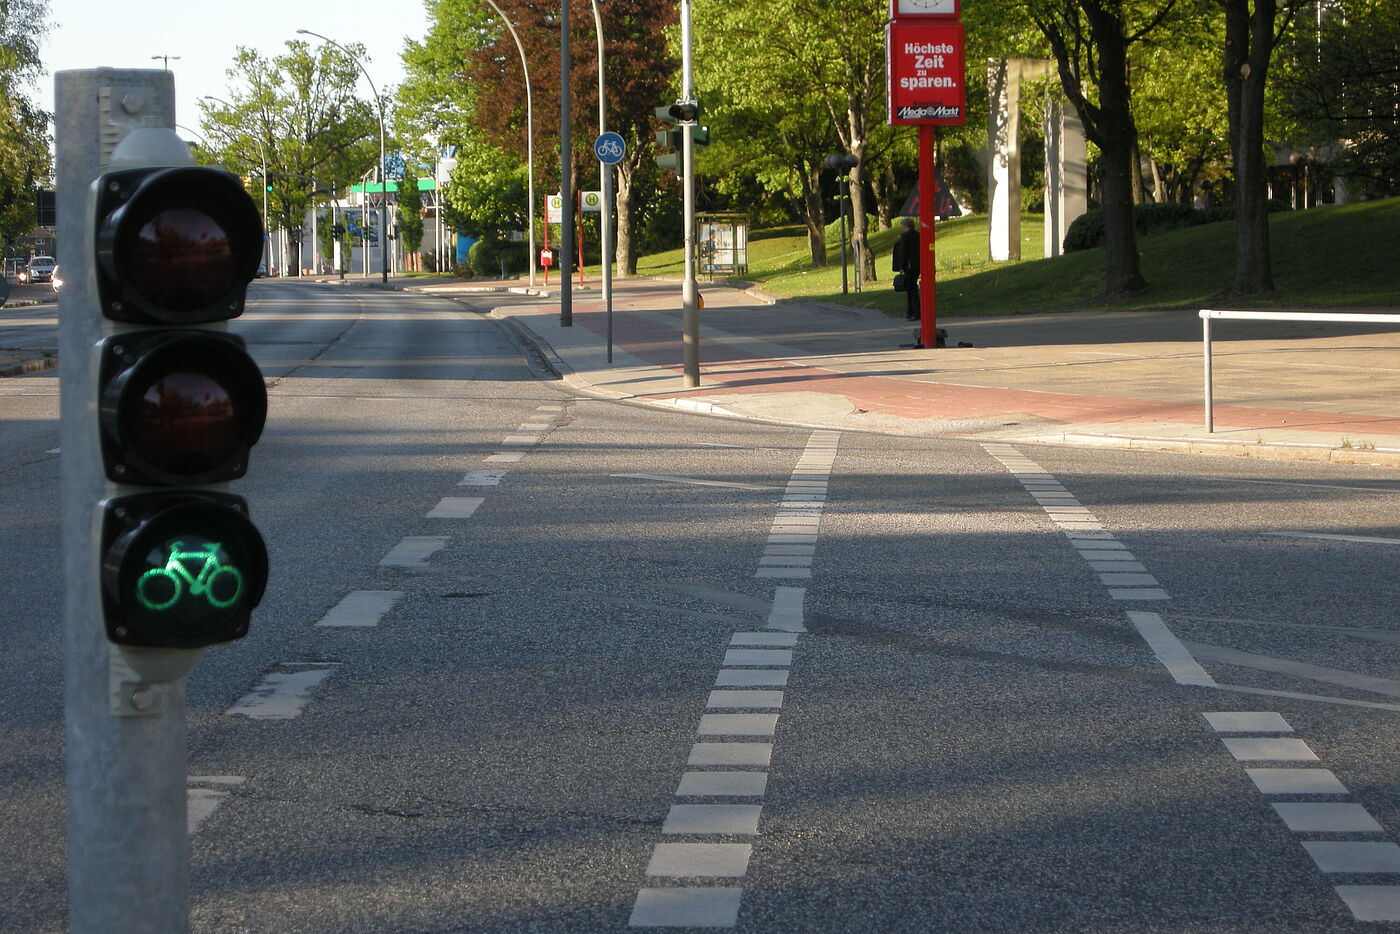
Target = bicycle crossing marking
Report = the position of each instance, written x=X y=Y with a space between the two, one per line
x=734 y=748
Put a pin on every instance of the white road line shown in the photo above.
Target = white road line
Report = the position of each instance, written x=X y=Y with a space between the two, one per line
x=1354 y=856
x=1296 y=782
x=708 y=907
x=1389 y=687
x=483 y=478
x=1239 y=721
x=1169 y=650
x=284 y=694
x=361 y=608
x=1326 y=817
x=1371 y=902
x=414 y=551
x=504 y=457
x=1268 y=749
x=456 y=507
x=1360 y=539
x=692 y=481
x=739 y=819
x=201 y=802
x=700 y=860
x=723 y=785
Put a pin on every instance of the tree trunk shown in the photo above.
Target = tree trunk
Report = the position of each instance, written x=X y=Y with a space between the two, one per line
x=882 y=185
x=626 y=196
x=1248 y=48
x=1117 y=142
x=810 y=207
x=864 y=258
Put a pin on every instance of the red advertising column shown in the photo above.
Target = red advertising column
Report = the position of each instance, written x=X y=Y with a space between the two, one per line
x=927 y=88
x=928 y=213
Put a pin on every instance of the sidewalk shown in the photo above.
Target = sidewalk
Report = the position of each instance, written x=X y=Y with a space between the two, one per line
x=1299 y=391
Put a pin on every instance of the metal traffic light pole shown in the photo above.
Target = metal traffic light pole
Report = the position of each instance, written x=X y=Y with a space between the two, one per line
x=690 y=313
x=128 y=847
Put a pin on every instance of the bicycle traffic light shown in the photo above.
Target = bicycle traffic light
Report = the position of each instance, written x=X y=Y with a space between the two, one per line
x=180 y=404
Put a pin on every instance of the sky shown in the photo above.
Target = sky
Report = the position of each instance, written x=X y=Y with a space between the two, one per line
x=205 y=35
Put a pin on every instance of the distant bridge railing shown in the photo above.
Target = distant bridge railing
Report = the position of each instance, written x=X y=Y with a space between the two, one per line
x=1208 y=315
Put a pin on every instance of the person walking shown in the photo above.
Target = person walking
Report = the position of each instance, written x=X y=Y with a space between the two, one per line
x=906 y=260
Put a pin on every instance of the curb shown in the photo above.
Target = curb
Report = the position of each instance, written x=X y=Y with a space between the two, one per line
x=1260 y=450
x=30 y=366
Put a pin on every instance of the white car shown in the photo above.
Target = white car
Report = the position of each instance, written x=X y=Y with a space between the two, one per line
x=40 y=270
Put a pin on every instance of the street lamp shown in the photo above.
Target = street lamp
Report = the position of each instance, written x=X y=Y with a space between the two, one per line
x=842 y=161
x=165 y=60
x=267 y=220
x=529 y=139
x=383 y=162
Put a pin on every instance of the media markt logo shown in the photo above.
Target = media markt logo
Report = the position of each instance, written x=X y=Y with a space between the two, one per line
x=930 y=112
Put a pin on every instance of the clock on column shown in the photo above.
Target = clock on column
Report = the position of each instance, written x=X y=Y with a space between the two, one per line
x=906 y=8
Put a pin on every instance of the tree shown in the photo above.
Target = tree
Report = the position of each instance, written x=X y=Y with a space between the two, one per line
x=1340 y=83
x=814 y=57
x=1090 y=40
x=24 y=150
x=299 y=111
x=410 y=211
x=1253 y=28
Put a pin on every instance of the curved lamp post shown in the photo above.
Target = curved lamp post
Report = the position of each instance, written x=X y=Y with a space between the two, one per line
x=267 y=219
x=529 y=138
x=383 y=163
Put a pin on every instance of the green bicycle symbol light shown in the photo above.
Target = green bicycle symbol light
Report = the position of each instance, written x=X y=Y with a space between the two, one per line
x=163 y=587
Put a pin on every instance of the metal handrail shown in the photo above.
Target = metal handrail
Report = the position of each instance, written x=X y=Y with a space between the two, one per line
x=1207 y=315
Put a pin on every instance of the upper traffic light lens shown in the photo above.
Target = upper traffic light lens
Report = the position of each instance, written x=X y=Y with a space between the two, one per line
x=180 y=258
x=175 y=246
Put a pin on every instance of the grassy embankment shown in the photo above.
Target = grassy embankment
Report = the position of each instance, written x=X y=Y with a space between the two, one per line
x=1345 y=256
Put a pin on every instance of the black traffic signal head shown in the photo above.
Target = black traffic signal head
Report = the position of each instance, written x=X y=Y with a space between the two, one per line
x=684 y=111
x=178 y=407
x=180 y=570
x=175 y=245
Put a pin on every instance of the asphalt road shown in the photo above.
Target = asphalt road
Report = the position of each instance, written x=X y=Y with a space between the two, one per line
x=478 y=696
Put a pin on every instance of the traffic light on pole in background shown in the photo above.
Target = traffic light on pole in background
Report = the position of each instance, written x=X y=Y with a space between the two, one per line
x=180 y=404
x=681 y=112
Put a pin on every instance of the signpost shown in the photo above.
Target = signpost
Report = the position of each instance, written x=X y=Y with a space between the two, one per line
x=926 y=88
x=610 y=148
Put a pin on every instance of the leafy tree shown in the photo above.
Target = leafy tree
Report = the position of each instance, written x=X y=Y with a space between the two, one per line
x=300 y=112
x=410 y=211
x=1340 y=82
x=24 y=150
x=1253 y=28
x=1090 y=40
x=487 y=192
x=817 y=56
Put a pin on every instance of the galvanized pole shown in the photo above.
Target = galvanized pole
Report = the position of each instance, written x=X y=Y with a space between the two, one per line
x=605 y=170
x=128 y=848
x=533 y=258
x=690 y=313
x=566 y=171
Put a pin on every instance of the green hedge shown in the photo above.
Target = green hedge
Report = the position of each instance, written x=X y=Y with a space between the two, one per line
x=484 y=258
x=1086 y=231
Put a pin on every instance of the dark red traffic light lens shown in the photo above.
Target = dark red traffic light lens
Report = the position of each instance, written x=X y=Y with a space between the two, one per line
x=175 y=246
x=181 y=407
x=180 y=259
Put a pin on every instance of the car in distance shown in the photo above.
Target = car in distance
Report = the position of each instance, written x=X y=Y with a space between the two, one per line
x=40 y=269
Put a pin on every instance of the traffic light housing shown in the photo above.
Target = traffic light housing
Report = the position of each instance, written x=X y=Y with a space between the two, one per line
x=180 y=404
x=681 y=112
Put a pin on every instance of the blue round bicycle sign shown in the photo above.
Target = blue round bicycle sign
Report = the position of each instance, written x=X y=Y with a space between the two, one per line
x=610 y=147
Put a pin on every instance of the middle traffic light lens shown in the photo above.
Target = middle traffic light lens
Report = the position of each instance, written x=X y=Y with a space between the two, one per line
x=181 y=259
x=185 y=422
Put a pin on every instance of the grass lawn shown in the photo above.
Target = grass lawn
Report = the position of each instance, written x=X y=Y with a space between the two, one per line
x=1330 y=256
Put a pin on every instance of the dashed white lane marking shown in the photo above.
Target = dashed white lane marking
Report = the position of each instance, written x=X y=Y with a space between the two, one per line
x=203 y=797
x=691 y=480
x=361 y=608
x=1169 y=650
x=709 y=907
x=414 y=551
x=456 y=507
x=1360 y=539
x=283 y=693
x=755 y=670
x=1334 y=857
x=483 y=478
x=700 y=860
x=513 y=457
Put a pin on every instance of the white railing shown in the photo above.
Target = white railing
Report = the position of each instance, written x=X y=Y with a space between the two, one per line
x=1207 y=315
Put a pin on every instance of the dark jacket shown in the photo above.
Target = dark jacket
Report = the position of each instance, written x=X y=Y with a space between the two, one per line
x=906 y=253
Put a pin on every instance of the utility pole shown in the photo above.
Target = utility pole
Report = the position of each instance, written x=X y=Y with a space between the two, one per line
x=566 y=181
x=690 y=313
